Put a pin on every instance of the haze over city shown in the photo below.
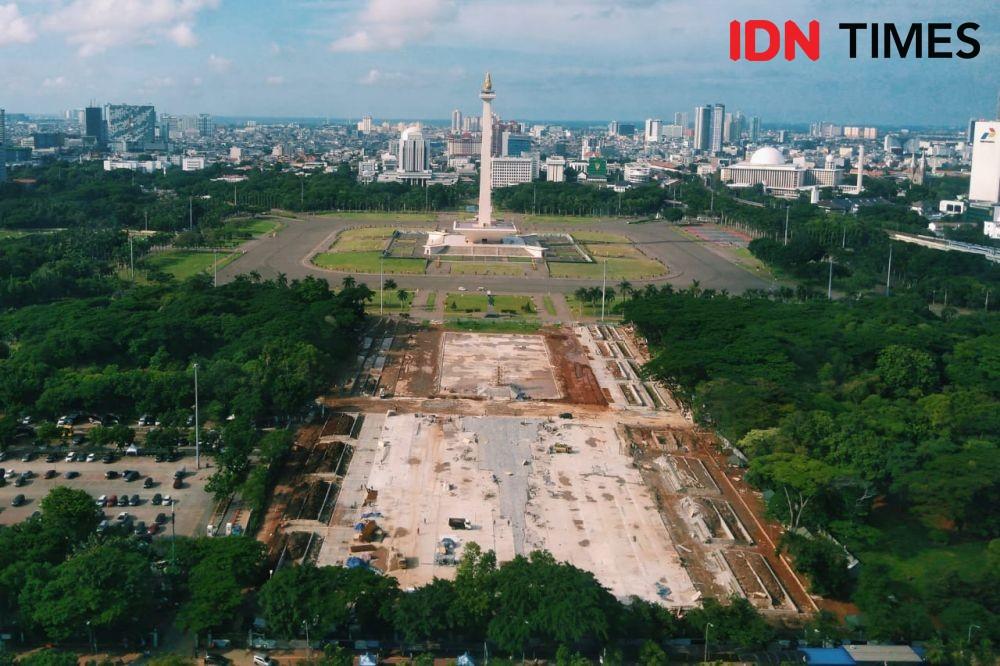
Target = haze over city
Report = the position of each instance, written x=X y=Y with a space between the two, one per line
x=569 y=60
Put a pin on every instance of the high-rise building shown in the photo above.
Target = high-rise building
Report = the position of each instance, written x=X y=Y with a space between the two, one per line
x=681 y=118
x=754 y=129
x=652 y=134
x=205 y=125
x=130 y=126
x=514 y=145
x=727 y=128
x=555 y=169
x=456 y=121
x=702 y=127
x=718 y=121
x=984 y=182
x=471 y=124
x=507 y=171
x=3 y=146
x=412 y=151
x=93 y=124
x=613 y=128
x=626 y=129
x=365 y=125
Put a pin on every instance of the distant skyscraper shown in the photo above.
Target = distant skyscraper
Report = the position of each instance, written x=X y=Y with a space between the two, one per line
x=613 y=128
x=754 y=129
x=515 y=145
x=412 y=151
x=205 y=125
x=653 y=130
x=471 y=124
x=718 y=122
x=681 y=118
x=365 y=125
x=984 y=181
x=702 y=127
x=93 y=124
x=3 y=146
x=456 y=121
x=129 y=124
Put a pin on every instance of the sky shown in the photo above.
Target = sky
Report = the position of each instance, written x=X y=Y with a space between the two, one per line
x=419 y=59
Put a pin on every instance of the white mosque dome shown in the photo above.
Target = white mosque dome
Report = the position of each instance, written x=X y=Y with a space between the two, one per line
x=767 y=156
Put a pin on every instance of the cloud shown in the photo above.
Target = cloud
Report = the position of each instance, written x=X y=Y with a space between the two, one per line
x=376 y=76
x=219 y=64
x=94 y=26
x=14 y=28
x=391 y=24
x=54 y=82
x=275 y=80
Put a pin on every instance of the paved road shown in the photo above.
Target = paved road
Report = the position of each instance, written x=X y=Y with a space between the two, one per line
x=290 y=250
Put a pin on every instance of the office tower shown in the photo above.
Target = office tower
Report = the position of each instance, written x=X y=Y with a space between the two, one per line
x=515 y=145
x=93 y=124
x=984 y=183
x=727 y=128
x=412 y=151
x=365 y=125
x=626 y=129
x=754 y=129
x=702 y=127
x=130 y=126
x=456 y=121
x=471 y=124
x=653 y=130
x=613 y=128
x=718 y=119
x=3 y=146
x=681 y=118
x=205 y=125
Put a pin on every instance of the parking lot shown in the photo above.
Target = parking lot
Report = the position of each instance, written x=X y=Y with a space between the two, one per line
x=192 y=506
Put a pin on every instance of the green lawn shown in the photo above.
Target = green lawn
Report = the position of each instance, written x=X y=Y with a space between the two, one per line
x=368 y=262
x=477 y=268
x=618 y=269
x=380 y=216
x=183 y=264
x=431 y=300
x=255 y=227
x=493 y=325
x=459 y=304
x=585 y=309
x=560 y=219
x=550 y=307
x=391 y=302
x=365 y=239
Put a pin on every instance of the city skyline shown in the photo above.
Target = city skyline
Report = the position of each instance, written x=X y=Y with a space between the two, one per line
x=414 y=59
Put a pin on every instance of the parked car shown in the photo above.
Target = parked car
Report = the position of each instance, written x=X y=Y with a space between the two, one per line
x=51 y=458
x=77 y=440
x=161 y=518
x=108 y=458
x=148 y=483
x=111 y=474
x=123 y=516
x=10 y=474
x=112 y=500
x=71 y=474
x=71 y=456
x=19 y=481
x=91 y=457
x=178 y=483
x=28 y=457
x=27 y=474
x=130 y=475
x=134 y=500
x=157 y=499
x=145 y=420
x=50 y=474
x=263 y=659
x=123 y=500
x=102 y=500
x=18 y=500
x=167 y=501
x=152 y=529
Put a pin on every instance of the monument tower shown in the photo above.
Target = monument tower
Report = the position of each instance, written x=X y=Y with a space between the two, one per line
x=486 y=155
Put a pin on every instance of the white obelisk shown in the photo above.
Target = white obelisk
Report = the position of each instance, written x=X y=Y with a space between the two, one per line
x=486 y=155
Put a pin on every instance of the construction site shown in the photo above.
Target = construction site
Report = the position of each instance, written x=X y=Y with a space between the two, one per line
x=519 y=442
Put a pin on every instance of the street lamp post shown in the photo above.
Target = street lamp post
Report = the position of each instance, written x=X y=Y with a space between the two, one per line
x=381 y=283
x=197 y=432
x=604 y=288
x=707 y=625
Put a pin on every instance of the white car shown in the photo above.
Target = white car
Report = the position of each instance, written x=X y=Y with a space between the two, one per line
x=102 y=500
x=462 y=289
x=70 y=457
x=166 y=501
x=91 y=457
x=11 y=474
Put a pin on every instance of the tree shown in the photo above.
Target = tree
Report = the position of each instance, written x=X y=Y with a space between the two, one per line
x=109 y=585
x=798 y=482
x=904 y=369
x=220 y=569
x=48 y=657
x=427 y=612
x=69 y=515
x=651 y=654
x=389 y=284
x=735 y=622
x=403 y=296
x=962 y=487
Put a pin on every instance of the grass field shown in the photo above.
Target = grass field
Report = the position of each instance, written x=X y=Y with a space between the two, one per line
x=604 y=245
x=365 y=239
x=391 y=302
x=550 y=307
x=368 y=262
x=585 y=309
x=493 y=325
x=183 y=264
x=560 y=219
x=382 y=217
x=431 y=300
x=469 y=303
x=618 y=269
x=477 y=268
